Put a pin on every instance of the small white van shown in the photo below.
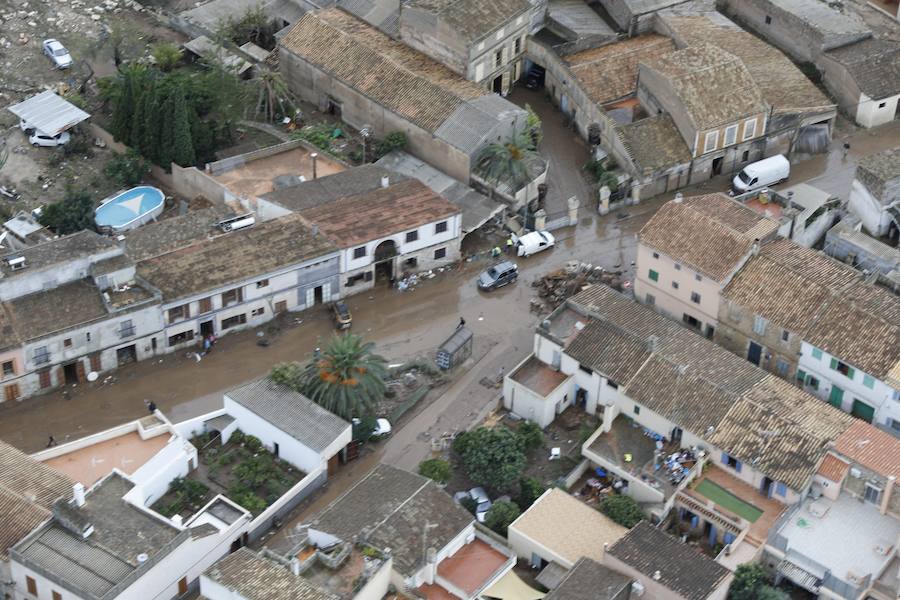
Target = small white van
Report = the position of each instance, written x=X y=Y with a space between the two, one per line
x=762 y=173
x=533 y=242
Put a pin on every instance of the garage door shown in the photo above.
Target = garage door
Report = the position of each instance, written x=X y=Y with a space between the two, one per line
x=863 y=411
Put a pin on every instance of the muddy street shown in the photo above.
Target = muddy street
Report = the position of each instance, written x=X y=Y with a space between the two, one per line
x=403 y=325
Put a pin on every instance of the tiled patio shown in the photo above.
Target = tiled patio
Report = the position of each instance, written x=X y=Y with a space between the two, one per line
x=472 y=566
x=771 y=508
x=128 y=453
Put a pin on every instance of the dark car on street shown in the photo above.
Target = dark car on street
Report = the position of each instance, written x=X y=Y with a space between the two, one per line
x=497 y=276
x=341 y=313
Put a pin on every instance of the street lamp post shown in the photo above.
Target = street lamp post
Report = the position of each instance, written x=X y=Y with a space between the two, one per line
x=314 y=156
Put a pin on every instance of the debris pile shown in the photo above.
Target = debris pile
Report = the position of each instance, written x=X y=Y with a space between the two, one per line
x=554 y=287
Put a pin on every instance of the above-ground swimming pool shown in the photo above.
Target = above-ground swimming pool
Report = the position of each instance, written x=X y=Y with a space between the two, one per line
x=129 y=209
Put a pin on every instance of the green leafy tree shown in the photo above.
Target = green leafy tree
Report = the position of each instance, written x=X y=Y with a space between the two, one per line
x=436 y=469
x=751 y=582
x=348 y=378
x=125 y=98
x=71 y=214
x=364 y=427
x=507 y=162
x=396 y=140
x=287 y=374
x=149 y=141
x=530 y=489
x=493 y=457
x=534 y=126
x=166 y=55
x=253 y=26
x=500 y=515
x=622 y=509
x=531 y=435
x=127 y=169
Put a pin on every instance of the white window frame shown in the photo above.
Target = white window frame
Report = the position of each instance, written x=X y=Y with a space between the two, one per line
x=759 y=325
x=714 y=135
x=749 y=128
x=730 y=134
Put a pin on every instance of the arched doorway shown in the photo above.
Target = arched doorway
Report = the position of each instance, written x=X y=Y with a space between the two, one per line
x=384 y=261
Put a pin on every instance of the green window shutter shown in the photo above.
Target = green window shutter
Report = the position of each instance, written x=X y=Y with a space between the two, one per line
x=869 y=381
x=817 y=354
x=801 y=375
x=836 y=398
x=834 y=364
x=850 y=373
x=654 y=276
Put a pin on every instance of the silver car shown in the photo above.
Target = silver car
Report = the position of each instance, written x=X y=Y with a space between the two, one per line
x=57 y=53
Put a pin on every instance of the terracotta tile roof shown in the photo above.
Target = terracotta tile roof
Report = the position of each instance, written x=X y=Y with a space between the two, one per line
x=610 y=72
x=870 y=447
x=713 y=85
x=833 y=468
x=397 y=208
x=473 y=19
x=711 y=233
x=256 y=578
x=862 y=328
x=234 y=257
x=782 y=84
x=567 y=527
x=609 y=349
x=399 y=78
x=28 y=489
x=780 y=430
x=759 y=418
x=682 y=568
x=788 y=284
x=655 y=143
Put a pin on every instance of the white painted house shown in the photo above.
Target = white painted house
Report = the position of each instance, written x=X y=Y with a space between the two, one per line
x=384 y=224
x=240 y=279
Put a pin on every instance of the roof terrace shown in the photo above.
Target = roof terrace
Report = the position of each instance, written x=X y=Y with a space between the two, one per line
x=250 y=178
x=538 y=377
x=90 y=463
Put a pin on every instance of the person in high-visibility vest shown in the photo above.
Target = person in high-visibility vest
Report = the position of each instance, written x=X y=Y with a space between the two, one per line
x=509 y=245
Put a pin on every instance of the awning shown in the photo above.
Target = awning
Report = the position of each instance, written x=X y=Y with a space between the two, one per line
x=48 y=113
x=511 y=587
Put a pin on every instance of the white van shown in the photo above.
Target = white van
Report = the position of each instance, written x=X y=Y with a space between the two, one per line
x=533 y=242
x=762 y=173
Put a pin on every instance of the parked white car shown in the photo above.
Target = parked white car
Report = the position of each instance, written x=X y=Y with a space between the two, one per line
x=534 y=242
x=57 y=53
x=39 y=138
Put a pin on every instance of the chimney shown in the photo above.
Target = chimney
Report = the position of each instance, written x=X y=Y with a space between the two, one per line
x=652 y=343
x=886 y=496
x=315 y=230
x=177 y=520
x=78 y=494
x=385 y=181
x=657 y=576
x=678 y=198
x=295 y=566
x=754 y=249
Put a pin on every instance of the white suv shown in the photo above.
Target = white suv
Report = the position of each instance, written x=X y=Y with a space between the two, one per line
x=57 y=53
x=39 y=138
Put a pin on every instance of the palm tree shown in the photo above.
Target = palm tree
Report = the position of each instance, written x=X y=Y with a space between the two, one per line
x=272 y=94
x=347 y=378
x=507 y=162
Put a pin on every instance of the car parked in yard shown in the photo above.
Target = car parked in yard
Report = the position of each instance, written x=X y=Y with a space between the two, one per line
x=534 y=242
x=341 y=314
x=39 y=138
x=497 y=276
x=382 y=427
x=57 y=53
x=482 y=502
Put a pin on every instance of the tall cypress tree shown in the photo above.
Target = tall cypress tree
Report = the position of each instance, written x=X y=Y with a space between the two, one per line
x=182 y=145
x=136 y=127
x=149 y=142
x=124 y=106
x=167 y=128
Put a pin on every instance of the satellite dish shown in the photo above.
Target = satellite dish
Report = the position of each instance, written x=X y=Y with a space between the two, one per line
x=92 y=376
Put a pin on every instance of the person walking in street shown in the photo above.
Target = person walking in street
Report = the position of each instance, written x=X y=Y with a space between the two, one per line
x=462 y=323
x=52 y=442
x=509 y=245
